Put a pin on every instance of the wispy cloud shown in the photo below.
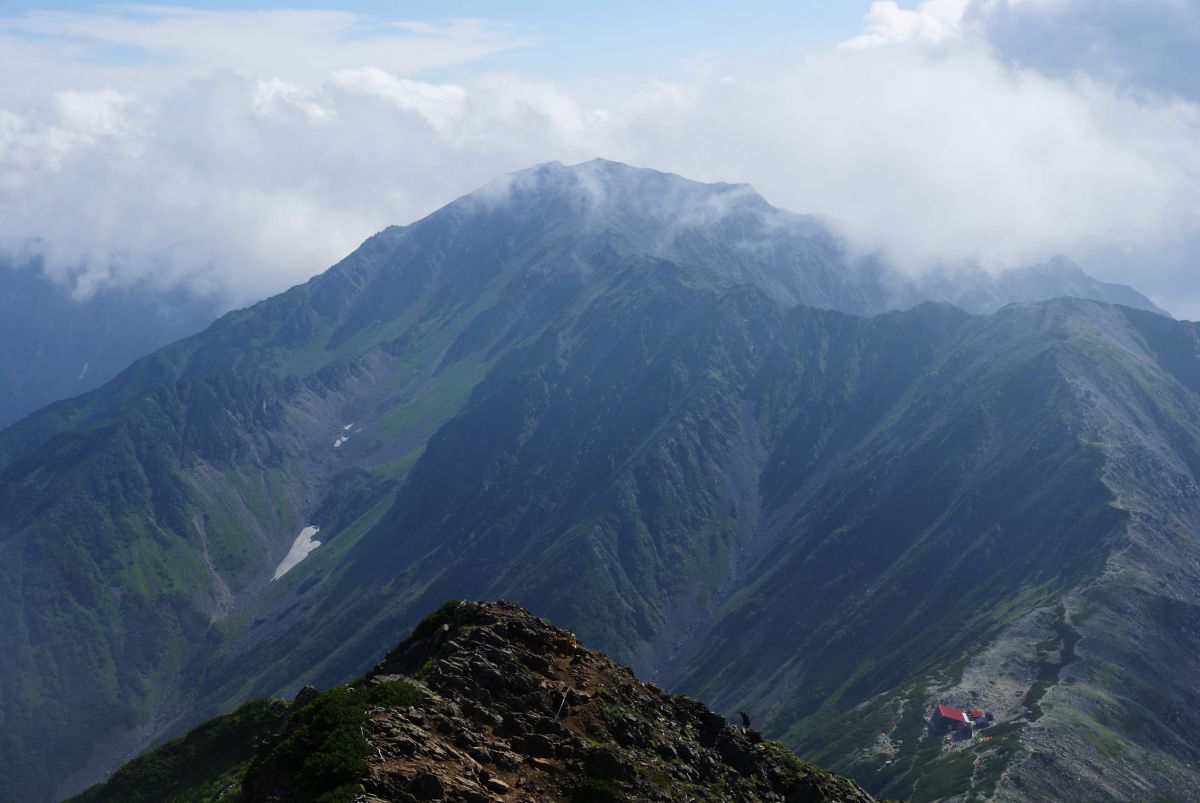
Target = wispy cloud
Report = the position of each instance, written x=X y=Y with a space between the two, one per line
x=153 y=48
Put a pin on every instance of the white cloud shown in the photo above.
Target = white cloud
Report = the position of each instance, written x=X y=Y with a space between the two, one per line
x=74 y=121
x=249 y=171
x=271 y=93
x=248 y=185
x=951 y=156
x=932 y=22
x=439 y=105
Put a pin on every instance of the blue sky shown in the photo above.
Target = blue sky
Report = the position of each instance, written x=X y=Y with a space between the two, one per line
x=704 y=23
x=243 y=147
x=614 y=39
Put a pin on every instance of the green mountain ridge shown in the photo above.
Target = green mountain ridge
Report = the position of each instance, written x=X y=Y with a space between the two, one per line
x=795 y=511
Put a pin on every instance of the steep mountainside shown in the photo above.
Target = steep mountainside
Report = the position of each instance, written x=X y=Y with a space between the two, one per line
x=56 y=346
x=591 y=390
x=1033 y=552
x=512 y=254
x=483 y=702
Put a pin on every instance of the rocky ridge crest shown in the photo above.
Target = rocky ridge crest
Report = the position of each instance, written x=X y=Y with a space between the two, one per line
x=515 y=709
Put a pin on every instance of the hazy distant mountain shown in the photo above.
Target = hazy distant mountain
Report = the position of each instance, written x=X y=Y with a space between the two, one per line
x=978 y=291
x=643 y=407
x=56 y=346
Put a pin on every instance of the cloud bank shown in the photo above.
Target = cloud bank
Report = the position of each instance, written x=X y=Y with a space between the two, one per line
x=1136 y=45
x=938 y=135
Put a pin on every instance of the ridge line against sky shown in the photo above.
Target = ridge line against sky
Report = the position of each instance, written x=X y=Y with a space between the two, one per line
x=241 y=149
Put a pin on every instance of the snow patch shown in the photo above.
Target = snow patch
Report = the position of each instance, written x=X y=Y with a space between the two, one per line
x=341 y=439
x=303 y=544
x=347 y=427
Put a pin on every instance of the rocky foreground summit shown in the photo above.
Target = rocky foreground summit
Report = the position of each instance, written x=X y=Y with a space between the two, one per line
x=484 y=702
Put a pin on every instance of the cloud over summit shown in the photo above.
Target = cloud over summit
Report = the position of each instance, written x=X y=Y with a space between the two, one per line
x=936 y=135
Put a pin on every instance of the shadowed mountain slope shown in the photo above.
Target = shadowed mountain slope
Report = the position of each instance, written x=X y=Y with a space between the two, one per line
x=620 y=399
x=57 y=345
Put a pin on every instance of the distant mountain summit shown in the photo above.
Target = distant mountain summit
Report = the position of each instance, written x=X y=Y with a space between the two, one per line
x=979 y=291
x=571 y=220
x=737 y=237
x=662 y=414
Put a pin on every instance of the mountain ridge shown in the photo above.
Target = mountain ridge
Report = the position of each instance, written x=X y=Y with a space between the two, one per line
x=796 y=259
x=491 y=403
x=59 y=343
x=488 y=702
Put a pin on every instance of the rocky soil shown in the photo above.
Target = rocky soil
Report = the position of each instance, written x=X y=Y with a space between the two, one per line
x=515 y=709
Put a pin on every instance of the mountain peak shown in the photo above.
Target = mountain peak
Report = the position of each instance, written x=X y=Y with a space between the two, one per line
x=484 y=701
x=731 y=235
x=575 y=720
x=604 y=185
x=1060 y=263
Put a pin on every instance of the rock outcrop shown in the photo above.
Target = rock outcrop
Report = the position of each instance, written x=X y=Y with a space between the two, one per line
x=484 y=702
x=516 y=709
